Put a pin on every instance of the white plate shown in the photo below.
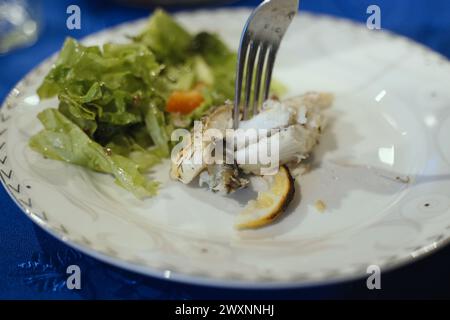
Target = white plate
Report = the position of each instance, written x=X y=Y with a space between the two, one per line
x=382 y=169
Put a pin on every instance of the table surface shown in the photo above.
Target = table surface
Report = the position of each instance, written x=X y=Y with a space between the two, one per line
x=33 y=263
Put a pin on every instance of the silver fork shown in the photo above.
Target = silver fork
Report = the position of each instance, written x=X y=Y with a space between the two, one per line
x=259 y=44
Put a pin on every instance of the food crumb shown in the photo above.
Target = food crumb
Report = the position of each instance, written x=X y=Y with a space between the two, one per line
x=403 y=179
x=320 y=206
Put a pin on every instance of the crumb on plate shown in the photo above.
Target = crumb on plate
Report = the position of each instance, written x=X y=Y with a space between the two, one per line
x=320 y=206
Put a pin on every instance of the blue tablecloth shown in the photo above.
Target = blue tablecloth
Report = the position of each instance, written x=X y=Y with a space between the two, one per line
x=33 y=264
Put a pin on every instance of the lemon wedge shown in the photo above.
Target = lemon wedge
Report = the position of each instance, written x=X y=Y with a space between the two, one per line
x=269 y=204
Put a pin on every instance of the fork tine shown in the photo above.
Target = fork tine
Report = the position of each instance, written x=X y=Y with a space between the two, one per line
x=242 y=54
x=268 y=72
x=260 y=40
x=250 y=64
x=258 y=77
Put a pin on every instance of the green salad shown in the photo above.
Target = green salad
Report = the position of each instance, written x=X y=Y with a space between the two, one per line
x=119 y=103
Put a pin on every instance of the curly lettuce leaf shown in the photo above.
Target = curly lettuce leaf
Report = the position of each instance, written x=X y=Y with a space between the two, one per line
x=166 y=38
x=65 y=141
x=108 y=85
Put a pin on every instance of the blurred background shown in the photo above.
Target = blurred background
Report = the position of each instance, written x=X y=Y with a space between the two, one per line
x=32 y=30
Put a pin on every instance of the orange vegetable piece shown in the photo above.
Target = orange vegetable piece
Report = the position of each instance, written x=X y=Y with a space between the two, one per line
x=184 y=101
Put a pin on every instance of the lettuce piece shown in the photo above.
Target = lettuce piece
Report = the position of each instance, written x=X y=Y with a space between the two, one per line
x=65 y=141
x=180 y=77
x=173 y=78
x=69 y=55
x=166 y=38
x=156 y=125
x=108 y=85
x=145 y=159
x=190 y=60
x=211 y=48
x=84 y=117
x=135 y=145
x=203 y=72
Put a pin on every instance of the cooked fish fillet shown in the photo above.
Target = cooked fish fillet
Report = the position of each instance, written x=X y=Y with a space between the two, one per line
x=298 y=122
x=184 y=167
x=274 y=115
x=295 y=143
x=223 y=178
x=295 y=124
